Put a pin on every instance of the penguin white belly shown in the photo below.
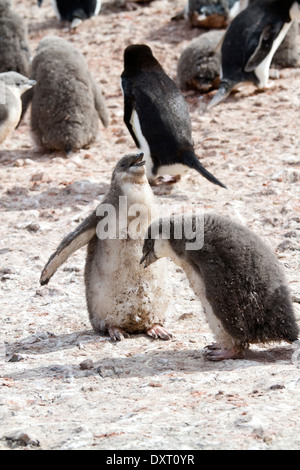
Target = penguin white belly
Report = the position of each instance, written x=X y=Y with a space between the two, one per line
x=163 y=248
x=262 y=70
x=121 y=292
x=98 y=7
x=13 y=102
x=54 y=5
x=144 y=147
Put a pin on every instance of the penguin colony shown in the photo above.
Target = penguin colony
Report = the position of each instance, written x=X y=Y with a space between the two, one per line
x=133 y=299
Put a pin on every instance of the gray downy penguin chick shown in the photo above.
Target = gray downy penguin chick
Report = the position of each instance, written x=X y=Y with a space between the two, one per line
x=12 y=86
x=66 y=102
x=211 y=13
x=199 y=64
x=250 y=43
x=122 y=298
x=236 y=276
x=157 y=116
x=75 y=11
x=14 y=46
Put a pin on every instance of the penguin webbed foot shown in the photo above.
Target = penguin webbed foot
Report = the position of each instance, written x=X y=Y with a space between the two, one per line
x=166 y=179
x=216 y=352
x=117 y=334
x=157 y=331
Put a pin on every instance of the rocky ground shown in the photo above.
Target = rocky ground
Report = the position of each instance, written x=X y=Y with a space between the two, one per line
x=64 y=387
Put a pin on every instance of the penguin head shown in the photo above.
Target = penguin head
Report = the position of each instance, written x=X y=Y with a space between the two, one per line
x=51 y=41
x=18 y=81
x=131 y=169
x=139 y=57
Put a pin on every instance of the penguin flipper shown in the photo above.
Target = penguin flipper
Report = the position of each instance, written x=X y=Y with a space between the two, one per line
x=26 y=99
x=192 y=162
x=265 y=43
x=128 y=108
x=100 y=104
x=71 y=243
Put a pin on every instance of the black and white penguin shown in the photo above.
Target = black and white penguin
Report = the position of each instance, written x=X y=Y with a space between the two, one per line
x=12 y=86
x=237 y=277
x=75 y=11
x=157 y=116
x=122 y=298
x=66 y=103
x=14 y=45
x=250 y=43
x=212 y=13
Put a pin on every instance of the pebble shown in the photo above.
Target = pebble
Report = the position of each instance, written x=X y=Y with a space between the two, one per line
x=16 y=358
x=86 y=364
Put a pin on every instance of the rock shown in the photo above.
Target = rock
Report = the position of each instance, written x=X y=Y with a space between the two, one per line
x=20 y=438
x=86 y=364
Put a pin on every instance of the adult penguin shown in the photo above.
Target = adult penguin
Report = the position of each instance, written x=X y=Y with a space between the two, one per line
x=75 y=11
x=157 y=116
x=250 y=43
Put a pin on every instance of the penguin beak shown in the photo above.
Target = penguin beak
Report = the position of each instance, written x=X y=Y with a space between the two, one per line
x=138 y=160
x=148 y=258
x=222 y=93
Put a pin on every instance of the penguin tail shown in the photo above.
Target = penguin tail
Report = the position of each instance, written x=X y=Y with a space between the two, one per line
x=222 y=93
x=193 y=162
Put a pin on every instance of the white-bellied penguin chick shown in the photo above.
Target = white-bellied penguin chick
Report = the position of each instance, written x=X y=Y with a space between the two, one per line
x=235 y=274
x=157 y=117
x=75 y=11
x=14 y=45
x=122 y=298
x=12 y=86
x=250 y=43
x=66 y=102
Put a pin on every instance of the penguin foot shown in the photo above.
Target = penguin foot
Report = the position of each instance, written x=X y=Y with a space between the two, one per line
x=218 y=353
x=157 y=331
x=117 y=333
x=168 y=179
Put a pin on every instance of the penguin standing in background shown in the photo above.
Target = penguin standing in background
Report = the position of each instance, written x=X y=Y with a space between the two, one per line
x=250 y=43
x=157 y=117
x=236 y=276
x=66 y=102
x=212 y=13
x=122 y=298
x=75 y=11
x=14 y=47
x=12 y=86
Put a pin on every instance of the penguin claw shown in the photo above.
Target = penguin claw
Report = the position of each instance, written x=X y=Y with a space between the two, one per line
x=218 y=353
x=157 y=331
x=117 y=333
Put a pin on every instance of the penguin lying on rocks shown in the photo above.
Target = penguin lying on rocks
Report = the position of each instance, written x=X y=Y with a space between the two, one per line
x=236 y=276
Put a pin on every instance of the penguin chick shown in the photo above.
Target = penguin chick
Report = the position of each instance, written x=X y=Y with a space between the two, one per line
x=212 y=13
x=122 y=298
x=66 y=102
x=199 y=64
x=14 y=47
x=250 y=43
x=12 y=86
x=235 y=274
x=157 y=116
x=75 y=11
